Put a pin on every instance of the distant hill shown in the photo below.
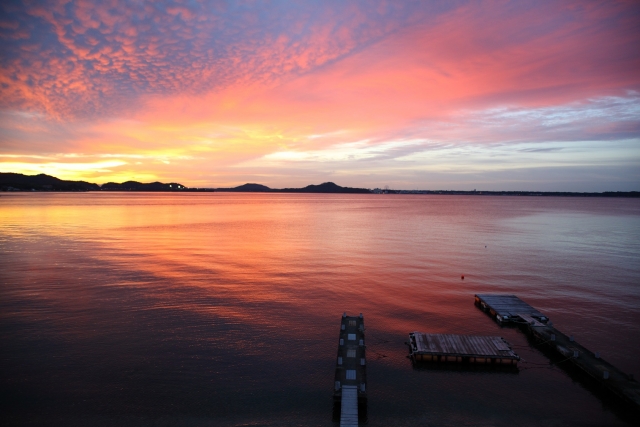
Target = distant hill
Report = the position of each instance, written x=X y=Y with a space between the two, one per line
x=17 y=181
x=42 y=182
x=326 y=187
x=138 y=186
x=249 y=187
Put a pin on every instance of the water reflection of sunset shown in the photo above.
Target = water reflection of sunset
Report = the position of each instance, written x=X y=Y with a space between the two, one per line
x=238 y=248
x=167 y=293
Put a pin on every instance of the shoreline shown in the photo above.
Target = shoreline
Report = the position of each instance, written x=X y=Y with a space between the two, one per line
x=606 y=194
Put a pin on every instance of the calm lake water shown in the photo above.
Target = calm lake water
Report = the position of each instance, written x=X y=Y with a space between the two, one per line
x=224 y=309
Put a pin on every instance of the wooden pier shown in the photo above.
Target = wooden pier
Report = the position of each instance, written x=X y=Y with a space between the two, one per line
x=510 y=309
x=447 y=348
x=350 y=392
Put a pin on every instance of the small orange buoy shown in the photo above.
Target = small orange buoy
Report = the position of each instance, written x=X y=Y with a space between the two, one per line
x=462 y=277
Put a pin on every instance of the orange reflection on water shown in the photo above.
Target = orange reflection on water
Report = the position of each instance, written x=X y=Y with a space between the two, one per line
x=259 y=257
x=223 y=293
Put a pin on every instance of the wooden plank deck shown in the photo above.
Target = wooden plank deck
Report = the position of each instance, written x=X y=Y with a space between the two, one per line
x=507 y=308
x=460 y=348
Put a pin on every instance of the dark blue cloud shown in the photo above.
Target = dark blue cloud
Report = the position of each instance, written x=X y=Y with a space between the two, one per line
x=83 y=57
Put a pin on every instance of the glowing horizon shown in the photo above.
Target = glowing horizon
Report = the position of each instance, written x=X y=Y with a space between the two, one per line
x=488 y=95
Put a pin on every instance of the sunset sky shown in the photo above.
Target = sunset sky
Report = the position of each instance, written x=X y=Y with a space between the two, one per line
x=492 y=95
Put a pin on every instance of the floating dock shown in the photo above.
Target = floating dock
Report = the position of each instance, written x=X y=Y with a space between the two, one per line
x=350 y=392
x=447 y=348
x=510 y=309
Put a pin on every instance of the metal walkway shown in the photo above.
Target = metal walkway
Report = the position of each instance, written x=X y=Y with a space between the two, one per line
x=349 y=406
x=509 y=308
x=350 y=391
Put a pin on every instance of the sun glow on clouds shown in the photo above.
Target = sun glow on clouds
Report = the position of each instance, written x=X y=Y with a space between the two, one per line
x=410 y=94
x=344 y=152
x=64 y=170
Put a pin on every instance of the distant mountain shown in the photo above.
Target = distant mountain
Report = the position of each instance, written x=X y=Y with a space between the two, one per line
x=326 y=187
x=138 y=186
x=249 y=187
x=42 y=182
x=17 y=181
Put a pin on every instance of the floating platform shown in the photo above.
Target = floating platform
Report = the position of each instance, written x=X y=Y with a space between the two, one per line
x=350 y=392
x=508 y=308
x=511 y=309
x=447 y=348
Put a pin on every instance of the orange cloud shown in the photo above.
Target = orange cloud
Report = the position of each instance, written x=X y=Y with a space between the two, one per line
x=234 y=91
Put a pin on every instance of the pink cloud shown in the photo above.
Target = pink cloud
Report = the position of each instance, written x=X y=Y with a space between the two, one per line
x=177 y=44
x=236 y=82
x=434 y=80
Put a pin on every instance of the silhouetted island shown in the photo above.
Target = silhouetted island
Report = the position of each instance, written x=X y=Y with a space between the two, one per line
x=138 y=186
x=253 y=188
x=19 y=182
x=326 y=187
